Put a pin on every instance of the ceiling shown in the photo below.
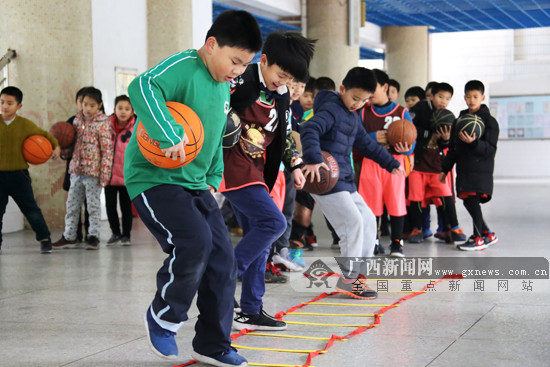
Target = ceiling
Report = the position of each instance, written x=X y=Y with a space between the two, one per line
x=438 y=15
x=460 y=15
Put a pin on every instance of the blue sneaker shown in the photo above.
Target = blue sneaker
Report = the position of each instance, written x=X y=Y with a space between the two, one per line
x=228 y=358
x=296 y=256
x=162 y=341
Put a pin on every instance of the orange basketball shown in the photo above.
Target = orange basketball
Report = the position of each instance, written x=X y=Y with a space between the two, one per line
x=401 y=131
x=37 y=149
x=193 y=129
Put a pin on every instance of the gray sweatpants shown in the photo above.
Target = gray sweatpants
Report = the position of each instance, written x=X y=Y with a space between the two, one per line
x=352 y=220
x=83 y=187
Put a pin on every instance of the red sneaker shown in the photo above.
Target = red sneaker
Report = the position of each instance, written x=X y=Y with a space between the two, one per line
x=490 y=238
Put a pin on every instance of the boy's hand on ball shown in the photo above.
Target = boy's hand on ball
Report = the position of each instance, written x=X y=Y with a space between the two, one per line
x=467 y=138
x=299 y=179
x=444 y=132
x=442 y=177
x=56 y=152
x=313 y=170
x=382 y=136
x=402 y=147
x=178 y=149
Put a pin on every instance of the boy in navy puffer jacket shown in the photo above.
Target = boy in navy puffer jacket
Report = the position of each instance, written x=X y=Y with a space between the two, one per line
x=336 y=128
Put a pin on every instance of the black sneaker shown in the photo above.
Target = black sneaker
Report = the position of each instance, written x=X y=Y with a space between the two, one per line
x=379 y=249
x=115 y=238
x=261 y=321
x=396 y=249
x=473 y=244
x=46 y=246
x=416 y=236
x=125 y=241
x=358 y=289
x=92 y=243
x=273 y=275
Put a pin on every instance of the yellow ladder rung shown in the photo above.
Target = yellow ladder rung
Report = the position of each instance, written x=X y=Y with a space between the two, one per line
x=321 y=324
x=331 y=314
x=345 y=304
x=277 y=350
x=290 y=336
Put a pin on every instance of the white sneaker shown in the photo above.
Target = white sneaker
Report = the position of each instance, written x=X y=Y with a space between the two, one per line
x=282 y=260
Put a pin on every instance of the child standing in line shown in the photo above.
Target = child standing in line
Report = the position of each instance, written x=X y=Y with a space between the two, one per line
x=393 y=90
x=376 y=186
x=122 y=125
x=177 y=205
x=67 y=154
x=262 y=103
x=424 y=185
x=280 y=254
x=336 y=128
x=15 y=180
x=90 y=169
x=474 y=157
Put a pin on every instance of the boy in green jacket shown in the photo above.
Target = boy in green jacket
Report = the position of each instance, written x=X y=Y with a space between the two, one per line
x=177 y=205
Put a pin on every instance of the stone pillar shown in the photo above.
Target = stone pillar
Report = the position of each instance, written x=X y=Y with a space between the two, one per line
x=327 y=21
x=53 y=40
x=175 y=25
x=407 y=56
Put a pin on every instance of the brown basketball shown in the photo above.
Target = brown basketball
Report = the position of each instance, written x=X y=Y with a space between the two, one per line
x=401 y=131
x=328 y=178
x=64 y=133
x=37 y=149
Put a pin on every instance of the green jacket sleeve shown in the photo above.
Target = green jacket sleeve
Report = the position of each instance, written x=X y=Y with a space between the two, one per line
x=149 y=93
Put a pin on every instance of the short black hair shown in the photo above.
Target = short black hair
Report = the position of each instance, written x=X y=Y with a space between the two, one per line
x=325 y=83
x=430 y=85
x=80 y=93
x=362 y=78
x=14 y=92
x=395 y=83
x=93 y=93
x=121 y=98
x=416 y=91
x=291 y=51
x=381 y=77
x=311 y=85
x=474 y=85
x=446 y=87
x=236 y=28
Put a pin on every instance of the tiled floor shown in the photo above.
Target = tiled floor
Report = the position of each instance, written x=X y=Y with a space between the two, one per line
x=85 y=308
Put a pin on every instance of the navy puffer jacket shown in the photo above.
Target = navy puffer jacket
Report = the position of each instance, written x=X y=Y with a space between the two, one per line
x=336 y=130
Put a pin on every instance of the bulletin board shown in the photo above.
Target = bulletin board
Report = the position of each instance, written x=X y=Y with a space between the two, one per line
x=522 y=117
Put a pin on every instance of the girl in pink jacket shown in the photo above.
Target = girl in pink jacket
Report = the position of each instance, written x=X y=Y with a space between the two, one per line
x=122 y=124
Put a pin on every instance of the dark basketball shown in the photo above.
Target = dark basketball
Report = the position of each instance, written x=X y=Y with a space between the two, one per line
x=470 y=123
x=328 y=178
x=401 y=131
x=441 y=118
x=64 y=133
x=233 y=130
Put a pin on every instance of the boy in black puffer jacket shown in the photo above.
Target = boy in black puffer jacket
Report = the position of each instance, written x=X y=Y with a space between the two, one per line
x=475 y=161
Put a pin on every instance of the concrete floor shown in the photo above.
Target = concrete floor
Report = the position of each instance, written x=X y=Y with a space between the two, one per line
x=85 y=308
